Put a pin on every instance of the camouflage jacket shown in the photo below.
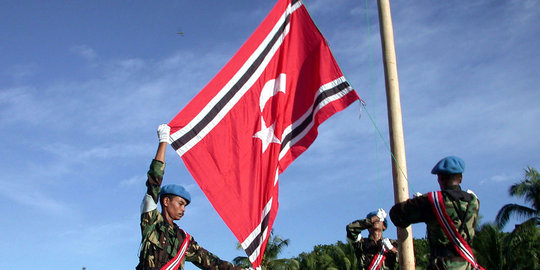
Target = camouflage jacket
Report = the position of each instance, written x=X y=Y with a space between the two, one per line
x=366 y=248
x=161 y=240
x=461 y=206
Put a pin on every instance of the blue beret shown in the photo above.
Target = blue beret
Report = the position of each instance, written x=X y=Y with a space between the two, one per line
x=374 y=213
x=175 y=190
x=449 y=165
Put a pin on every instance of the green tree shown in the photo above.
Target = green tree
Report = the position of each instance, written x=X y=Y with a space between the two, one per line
x=421 y=252
x=306 y=261
x=499 y=250
x=529 y=190
x=489 y=247
x=342 y=256
x=322 y=257
x=338 y=256
x=522 y=247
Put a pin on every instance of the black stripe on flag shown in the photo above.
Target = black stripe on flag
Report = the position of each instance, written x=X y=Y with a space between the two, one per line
x=259 y=238
x=305 y=124
x=234 y=89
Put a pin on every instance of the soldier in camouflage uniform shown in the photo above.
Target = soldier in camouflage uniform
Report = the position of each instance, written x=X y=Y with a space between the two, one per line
x=161 y=237
x=462 y=207
x=366 y=249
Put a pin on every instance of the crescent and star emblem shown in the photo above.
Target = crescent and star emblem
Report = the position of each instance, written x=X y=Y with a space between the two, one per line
x=271 y=88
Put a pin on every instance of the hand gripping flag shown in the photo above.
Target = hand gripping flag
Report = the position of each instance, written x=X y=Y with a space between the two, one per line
x=257 y=115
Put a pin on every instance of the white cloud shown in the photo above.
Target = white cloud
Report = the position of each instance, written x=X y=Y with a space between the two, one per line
x=21 y=71
x=97 y=239
x=501 y=178
x=30 y=196
x=136 y=181
x=17 y=106
x=84 y=51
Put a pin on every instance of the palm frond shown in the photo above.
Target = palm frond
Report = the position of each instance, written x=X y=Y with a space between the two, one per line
x=529 y=190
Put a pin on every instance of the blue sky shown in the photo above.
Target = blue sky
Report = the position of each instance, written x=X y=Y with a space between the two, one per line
x=84 y=85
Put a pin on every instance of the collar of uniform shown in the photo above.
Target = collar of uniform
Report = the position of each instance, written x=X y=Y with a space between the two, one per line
x=165 y=226
x=456 y=187
x=457 y=193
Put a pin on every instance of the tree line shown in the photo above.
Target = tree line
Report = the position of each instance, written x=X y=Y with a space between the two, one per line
x=493 y=248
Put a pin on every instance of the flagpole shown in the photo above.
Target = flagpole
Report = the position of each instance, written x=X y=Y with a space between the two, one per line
x=395 y=122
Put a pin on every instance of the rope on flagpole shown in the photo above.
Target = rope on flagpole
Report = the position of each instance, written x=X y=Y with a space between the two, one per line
x=385 y=143
x=373 y=118
x=370 y=86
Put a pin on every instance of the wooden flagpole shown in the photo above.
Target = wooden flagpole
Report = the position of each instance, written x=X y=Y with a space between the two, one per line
x=395 y=122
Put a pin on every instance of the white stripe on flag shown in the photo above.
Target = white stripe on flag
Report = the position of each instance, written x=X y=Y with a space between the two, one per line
x=182 y=150
x=256 y=232
x=323 y=103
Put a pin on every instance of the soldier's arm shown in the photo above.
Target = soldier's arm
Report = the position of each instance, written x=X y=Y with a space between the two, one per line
x=149 y=211
x=356 y=227
x=392 y=258
x=204 y=259
x=411 y=211
x=155 y=173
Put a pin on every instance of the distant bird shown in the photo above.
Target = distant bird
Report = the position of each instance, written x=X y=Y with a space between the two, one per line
x=180 y=32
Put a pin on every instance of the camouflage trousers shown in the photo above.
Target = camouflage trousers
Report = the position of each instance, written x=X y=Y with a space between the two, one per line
x=445 y=263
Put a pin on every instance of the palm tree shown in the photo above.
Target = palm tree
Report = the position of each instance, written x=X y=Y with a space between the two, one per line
x=270 y=261
x=342 y=255
x=497 y=250
x=338 y=256
x=523 y=246
x=529 y=189
x=319 y=259
x=347 y=259
x=489 y=247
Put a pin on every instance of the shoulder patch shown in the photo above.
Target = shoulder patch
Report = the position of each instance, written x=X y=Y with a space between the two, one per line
x=148 y=204
x=472 y=193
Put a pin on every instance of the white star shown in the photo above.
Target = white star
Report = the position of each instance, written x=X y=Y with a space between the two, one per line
x=267 y=135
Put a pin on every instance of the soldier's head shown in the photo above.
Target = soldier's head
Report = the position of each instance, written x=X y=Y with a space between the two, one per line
x=173 y=200
x=449 y=171
x=377 y=225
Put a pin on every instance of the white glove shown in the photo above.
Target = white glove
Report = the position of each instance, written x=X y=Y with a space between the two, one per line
x=163 y=132
x=417 y=194
x=387 y=244
x=381 y=214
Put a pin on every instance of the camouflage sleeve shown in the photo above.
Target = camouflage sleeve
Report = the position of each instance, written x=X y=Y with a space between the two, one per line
x=153 y=185
x=155 y=176
x=411 y=211
x=204 y=259
x=356 y=227
x=150 y=215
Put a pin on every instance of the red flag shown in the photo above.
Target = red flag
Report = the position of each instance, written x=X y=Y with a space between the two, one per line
x=257 y=115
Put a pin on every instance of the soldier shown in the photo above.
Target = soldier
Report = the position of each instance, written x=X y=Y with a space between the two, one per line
x=164 y=245
x=373 y=252
x=450 y=216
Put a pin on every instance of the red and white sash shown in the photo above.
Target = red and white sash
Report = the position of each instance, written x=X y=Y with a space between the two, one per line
x=450 y=230
x=378 y=259
x=175 y=262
